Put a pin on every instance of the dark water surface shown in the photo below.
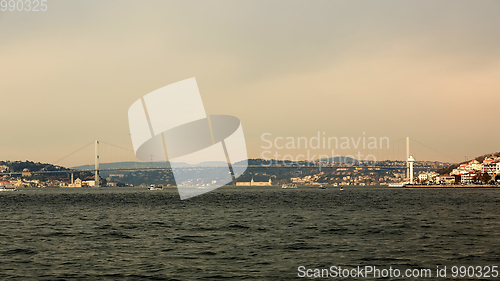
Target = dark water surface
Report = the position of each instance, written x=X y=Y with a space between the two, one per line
x=241 y=233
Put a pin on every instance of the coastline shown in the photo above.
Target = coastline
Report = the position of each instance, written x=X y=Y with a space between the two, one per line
x=451 y=186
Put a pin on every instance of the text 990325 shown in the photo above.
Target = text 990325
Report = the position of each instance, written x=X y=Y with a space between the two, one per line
x=23 y=5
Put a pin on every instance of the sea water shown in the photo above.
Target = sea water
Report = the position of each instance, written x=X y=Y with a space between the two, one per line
x=234 y=233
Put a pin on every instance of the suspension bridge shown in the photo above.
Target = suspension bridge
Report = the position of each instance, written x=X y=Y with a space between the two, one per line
x=127 y=156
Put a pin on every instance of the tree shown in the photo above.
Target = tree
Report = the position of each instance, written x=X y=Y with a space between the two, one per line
x=486 y=177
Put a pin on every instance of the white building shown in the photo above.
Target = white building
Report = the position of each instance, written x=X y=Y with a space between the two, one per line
x=427 y=177
x=445 y=179
x=492 y=168
x=469 y=177
x=77 y=183
x=475 y=165
x=90 y=183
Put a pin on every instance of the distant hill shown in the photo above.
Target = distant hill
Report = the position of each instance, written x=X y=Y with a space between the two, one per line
x=340 y=159
x=160 y=164
x=124 y=165
x=167 y=164
x=18 y=166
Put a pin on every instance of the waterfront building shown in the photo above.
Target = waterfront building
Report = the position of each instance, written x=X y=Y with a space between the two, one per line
x=77 y=183
x=492 y=168
x=90 y=183
x=473 y=170
x=254 y=183
x=427 y=177
x=470 y=177
x=445 y=179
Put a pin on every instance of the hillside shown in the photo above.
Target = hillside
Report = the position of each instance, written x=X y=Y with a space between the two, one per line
x=19 y=166
x=480 y=159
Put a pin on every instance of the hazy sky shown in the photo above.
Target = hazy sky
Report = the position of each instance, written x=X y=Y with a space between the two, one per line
x=425 y=69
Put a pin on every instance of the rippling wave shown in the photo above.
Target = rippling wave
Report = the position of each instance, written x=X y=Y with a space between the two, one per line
x=240 y=233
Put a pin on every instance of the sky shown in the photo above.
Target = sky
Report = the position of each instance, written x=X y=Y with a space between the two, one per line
x=428 y=70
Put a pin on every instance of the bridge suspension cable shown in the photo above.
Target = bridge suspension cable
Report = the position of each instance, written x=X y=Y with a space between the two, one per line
x=435 y=150
x=81 y=148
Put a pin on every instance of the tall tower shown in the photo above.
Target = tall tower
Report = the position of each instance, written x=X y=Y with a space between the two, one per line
x=410 y=164
x=407 y=157
x=96 y=163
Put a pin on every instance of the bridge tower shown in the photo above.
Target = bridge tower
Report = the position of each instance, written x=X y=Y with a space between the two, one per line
x=96 y=163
